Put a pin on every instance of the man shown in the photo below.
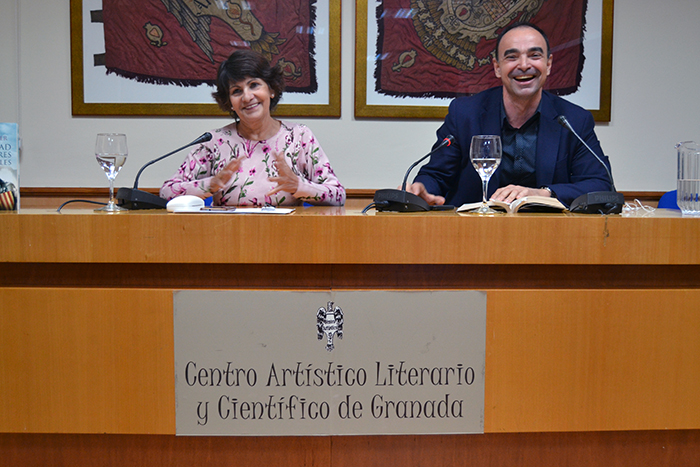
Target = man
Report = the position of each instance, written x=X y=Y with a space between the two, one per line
x=540 y=157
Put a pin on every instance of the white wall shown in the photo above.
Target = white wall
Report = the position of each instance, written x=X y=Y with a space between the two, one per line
x=9 y=103
x=655 y=103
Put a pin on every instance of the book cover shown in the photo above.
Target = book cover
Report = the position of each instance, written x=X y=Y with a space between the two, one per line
x=9 y=167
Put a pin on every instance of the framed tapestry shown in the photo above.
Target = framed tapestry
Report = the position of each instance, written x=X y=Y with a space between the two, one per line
x=413 y=56
x=160 y=57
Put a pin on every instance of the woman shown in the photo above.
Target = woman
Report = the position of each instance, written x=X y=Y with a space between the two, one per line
x=256 y=160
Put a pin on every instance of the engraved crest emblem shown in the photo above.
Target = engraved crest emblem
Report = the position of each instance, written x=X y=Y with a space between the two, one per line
x=451 y=29
x=329 y=322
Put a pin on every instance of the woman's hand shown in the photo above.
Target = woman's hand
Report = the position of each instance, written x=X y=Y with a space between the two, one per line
x=224 y=176
x=286 y=179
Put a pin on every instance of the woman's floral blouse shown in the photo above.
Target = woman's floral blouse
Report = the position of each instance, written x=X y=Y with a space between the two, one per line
x=317 y=182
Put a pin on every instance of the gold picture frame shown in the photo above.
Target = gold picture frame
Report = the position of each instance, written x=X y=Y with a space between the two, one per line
x=363 y=109
x=330 y=65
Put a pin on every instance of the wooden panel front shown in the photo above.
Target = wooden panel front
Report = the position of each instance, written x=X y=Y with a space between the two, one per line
x=101 y=360
x=585 y=360
x=337 y=236
x=592 y=327
x=86 y=361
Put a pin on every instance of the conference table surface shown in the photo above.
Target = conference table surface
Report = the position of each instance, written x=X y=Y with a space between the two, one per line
x=336 y=235
x=593 y=321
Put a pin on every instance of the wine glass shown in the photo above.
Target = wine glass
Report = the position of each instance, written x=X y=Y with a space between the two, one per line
x=485 y=154
x=111 y=152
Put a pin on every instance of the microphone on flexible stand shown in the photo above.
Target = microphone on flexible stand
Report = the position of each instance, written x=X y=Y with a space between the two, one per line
x=595 y=202
x=401 y=200
x=134 y=199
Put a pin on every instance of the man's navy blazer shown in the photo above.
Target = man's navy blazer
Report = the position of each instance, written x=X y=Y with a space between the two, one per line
x=562 y=162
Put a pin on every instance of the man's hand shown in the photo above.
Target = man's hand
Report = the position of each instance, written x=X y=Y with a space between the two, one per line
x=510 y=193
x=224 y=176
x=419 y=189
x=286 y=179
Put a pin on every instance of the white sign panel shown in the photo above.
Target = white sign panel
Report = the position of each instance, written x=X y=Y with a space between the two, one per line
x=329 y=363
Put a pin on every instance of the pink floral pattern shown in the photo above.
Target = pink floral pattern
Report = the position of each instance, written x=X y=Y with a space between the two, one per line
x=250 y=185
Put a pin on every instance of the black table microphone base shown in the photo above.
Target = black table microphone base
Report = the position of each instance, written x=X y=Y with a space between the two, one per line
x=133 y=199
x=399 y=201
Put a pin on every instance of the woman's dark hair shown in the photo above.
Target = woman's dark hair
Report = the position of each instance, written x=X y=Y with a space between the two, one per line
x=243 y=64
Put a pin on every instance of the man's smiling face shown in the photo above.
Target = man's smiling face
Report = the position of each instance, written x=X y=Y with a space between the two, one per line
x=523 y=63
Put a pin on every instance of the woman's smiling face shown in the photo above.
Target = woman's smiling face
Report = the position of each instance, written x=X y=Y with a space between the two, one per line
x=250 y=99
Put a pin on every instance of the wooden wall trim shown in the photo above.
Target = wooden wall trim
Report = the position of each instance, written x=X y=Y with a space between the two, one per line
x=352 y=193
x=77 y=192
x=53 y=197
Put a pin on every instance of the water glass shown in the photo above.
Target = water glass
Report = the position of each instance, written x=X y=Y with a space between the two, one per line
x=689 y=178
x=111 y=152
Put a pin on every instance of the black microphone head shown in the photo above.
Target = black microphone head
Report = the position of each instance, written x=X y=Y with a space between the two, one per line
x=563 y=121
x=449 y=139
x=203 y=139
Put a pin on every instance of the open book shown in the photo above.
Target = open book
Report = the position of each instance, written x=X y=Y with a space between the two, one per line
x=526 y=204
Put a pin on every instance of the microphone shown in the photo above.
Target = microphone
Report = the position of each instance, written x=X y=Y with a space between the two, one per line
x=596 y=202
x=401 y=200
x=134 y=199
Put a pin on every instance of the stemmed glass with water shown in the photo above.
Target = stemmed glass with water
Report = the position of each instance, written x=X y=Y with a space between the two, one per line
x=111 y=152
x=485 y=154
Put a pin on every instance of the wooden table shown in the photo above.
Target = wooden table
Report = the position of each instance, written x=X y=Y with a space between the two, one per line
x=592 y=349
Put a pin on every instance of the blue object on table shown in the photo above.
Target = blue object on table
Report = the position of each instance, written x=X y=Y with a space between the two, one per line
x=669 y=200
x=208 y=201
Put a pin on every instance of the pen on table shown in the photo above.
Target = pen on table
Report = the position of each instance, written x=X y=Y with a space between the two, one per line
x=218 y=208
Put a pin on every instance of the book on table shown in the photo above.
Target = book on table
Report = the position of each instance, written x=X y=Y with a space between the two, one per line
x=526 y=204
x=9 y=167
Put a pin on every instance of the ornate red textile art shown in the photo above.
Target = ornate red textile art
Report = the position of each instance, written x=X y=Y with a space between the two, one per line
x=443 y=48
x=183 y=41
